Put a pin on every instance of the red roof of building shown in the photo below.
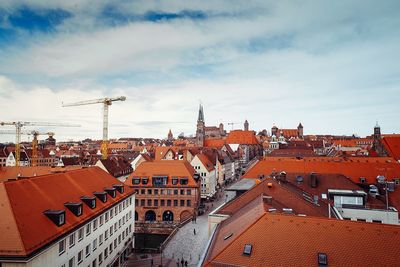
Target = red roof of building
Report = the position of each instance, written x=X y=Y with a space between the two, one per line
x=28 y=171
x=170 y=168
x=285 y=240
x=353 y=167
x=206 y=162
x=25 y=228
x=392 y=145
x=242 y=137
x=216 y=143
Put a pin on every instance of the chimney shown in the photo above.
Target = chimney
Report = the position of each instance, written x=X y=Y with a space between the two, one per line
x=267 y=200
x=314 y=180
x=282 y=176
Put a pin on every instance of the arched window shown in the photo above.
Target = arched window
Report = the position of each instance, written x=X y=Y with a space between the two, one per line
x=168 y=216
x=150 y=215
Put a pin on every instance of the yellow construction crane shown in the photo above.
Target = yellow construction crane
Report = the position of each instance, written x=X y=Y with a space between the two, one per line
x=18 y=126
x=35 y=145
x=106 y=102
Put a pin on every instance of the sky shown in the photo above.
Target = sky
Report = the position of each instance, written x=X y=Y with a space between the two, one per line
x=331 y=65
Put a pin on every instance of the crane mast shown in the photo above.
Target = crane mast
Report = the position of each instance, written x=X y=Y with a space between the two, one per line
x=18 y=127
x=106 y=102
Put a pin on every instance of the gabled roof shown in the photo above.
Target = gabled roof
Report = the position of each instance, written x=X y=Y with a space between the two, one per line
x=24 y=227
x=352 y=167
x=13 y=172
x=117 y=166
x=284 y=240
x=216 y=143
x=206 y=162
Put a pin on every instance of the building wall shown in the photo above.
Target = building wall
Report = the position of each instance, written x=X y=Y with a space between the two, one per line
x=208 y=178
x=122 y=218
x=369 y=215
x=165 y=199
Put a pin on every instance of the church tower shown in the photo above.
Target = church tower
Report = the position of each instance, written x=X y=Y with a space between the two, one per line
x=300 y=130
x=200 y=132
x=170 y=135
x=377 y=144
x=246 y=125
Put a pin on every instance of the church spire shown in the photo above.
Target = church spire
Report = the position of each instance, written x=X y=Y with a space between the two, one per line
x=201 y=114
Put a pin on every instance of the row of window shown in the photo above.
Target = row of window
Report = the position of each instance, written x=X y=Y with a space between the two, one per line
x=163 y=191
x=162 y=202
x=160 y=180
x=103 y=218
x=93 y=247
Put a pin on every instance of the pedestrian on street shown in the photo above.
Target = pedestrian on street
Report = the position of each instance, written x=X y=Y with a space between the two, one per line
x=151 y=262
x=182 y=262
x=194 y=231
x=185 y=263
x=177 y=263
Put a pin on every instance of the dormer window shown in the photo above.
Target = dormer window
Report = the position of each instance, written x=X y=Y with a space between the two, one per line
x=75 y=208
x=184 y=181
x=119 y=187
x=135 y=180
x=174 y=180
x=56 y=216
x=145 y=180
x=89 y=201
x=101 y=195
x=111 y=191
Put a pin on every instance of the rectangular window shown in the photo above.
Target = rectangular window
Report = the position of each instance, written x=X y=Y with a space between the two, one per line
x=115 y=227
x=72 y=240
x=111 y=213
x=119 y=239
x=182 y=191
x=106 y=235
x=80 y=256
x=100 y=258
x=101 y=219
x=111 y=248
x=145 y=180
x=136 y=202
x=175 y=202
x=105 y=253
x=135 y=181
x=61 y=247
x=155 y=191
x=111 y=230
x=162 y=192
x=94 y=244
x=80 y=234
x=182 y=202
x=174 y=180
x=156 y=202
x=149 y=202
x=88 y=229
x=169 y=192
x=175 y=191
x=106 y=216
x=188 y=192
x=100 y=239
x=115 y=243
x=142 y=191
x=188 y=203
x=184 y=181
x=169 y=202
x=87 y=250
x=149 y=191
x=162 y=202
x=71 y=262
x=160 y=181
x=142 y=202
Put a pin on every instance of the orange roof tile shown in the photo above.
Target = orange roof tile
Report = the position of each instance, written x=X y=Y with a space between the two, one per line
x=24 y=226
x=353 y=167
x=216 y=143
x=170 y=168
x=392 y=145
x=242 y=137
x=15 y=172
x=284 y=240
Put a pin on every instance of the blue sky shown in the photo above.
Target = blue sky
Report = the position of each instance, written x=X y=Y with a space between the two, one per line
x=331 y=65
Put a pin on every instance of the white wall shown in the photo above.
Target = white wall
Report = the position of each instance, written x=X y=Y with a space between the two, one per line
x=124 y=219
x=389 y=217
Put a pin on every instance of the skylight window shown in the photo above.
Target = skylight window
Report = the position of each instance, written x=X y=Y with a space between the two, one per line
x=247 y=249
x=322 y=259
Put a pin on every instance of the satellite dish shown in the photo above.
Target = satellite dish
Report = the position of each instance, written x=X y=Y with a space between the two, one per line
x=380 y=179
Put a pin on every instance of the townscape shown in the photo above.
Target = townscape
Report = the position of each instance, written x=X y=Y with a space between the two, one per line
x=171 y=133
x=220 y=197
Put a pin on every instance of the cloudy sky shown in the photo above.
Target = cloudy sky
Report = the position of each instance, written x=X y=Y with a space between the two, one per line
x=332 y=65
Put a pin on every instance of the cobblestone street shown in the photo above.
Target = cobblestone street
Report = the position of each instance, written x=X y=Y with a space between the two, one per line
x=185 y=244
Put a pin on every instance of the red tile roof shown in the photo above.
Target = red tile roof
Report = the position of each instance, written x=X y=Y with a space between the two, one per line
x=284 y=240
x=25 y=228
x=16 y=172
x=353 y=167
x=392 y=145
x=170 y=168
x=216 y=143
x=206 y=162
x=242 y=137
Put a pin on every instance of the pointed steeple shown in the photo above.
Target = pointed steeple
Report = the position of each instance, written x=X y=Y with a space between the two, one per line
x=201 y=114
